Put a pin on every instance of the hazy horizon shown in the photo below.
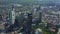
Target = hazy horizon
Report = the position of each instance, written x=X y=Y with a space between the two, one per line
x=18 y=1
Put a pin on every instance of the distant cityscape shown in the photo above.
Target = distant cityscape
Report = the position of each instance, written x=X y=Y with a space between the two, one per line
x=25 y=18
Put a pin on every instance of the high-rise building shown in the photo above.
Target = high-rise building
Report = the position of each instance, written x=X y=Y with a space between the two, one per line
x=27 y=27
x=12 y=15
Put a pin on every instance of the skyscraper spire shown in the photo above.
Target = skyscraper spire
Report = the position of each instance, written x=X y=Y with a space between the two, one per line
x=12 y=7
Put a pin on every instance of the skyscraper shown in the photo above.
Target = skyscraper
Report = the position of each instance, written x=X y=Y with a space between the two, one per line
x=12 y=15
x=27 y=27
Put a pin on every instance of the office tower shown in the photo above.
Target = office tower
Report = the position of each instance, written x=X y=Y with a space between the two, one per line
x=39 y=14
x=27 y=28
x=12 y=15
x=9 y=25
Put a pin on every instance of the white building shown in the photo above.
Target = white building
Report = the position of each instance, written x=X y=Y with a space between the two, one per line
x=58 y=31
x=12 y=16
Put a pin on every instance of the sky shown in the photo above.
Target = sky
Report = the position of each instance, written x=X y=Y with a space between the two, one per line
x=48 y=0
x=31 y=0
x=9 y=1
